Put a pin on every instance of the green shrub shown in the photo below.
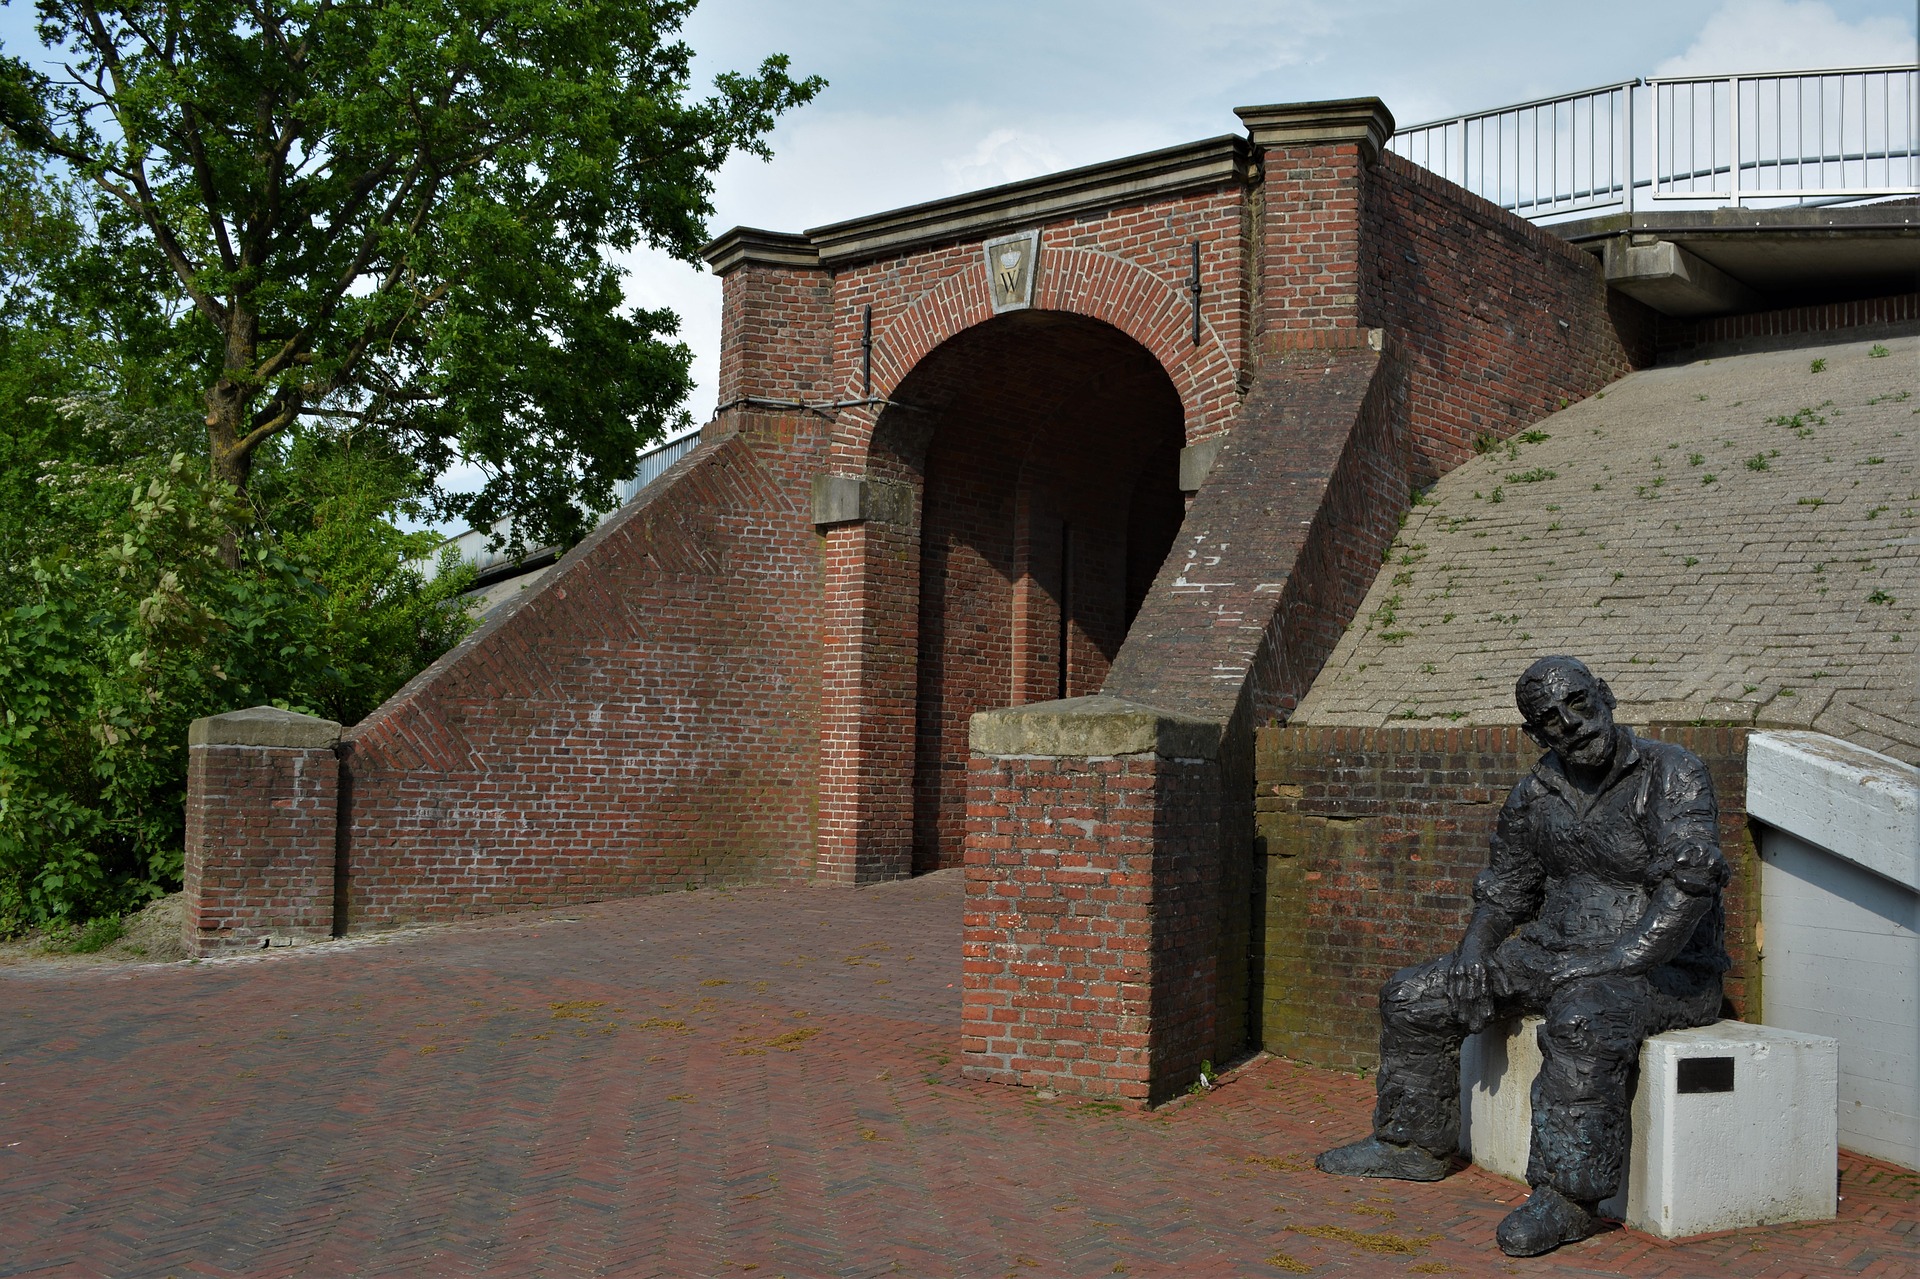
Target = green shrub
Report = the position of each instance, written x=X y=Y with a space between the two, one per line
x=120 y=637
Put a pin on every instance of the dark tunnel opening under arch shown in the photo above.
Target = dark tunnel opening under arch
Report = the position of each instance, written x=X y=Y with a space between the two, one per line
x=1046 y=450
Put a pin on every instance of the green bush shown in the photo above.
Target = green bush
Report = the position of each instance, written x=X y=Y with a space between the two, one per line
x=129 y=624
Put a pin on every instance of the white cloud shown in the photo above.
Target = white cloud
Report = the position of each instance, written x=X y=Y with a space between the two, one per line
x=1790 y=35
x=1004 y=155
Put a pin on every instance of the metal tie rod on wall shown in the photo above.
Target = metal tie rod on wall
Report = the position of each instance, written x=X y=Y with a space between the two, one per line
x=828 y=409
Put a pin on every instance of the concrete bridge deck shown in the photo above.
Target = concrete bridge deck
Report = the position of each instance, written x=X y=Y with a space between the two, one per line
x=751 y=1083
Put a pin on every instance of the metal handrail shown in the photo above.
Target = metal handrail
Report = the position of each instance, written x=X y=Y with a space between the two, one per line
x=1613 y=145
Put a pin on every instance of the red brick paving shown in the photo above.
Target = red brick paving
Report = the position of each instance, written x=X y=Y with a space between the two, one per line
x=751 y=1083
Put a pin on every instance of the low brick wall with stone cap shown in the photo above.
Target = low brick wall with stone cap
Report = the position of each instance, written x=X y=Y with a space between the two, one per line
x=263 y=807
x=1092 y=925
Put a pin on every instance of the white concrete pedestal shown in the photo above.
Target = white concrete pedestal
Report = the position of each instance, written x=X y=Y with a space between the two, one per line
x=1733 y=1124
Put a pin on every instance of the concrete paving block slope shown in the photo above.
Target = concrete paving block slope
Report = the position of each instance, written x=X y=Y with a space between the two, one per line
x=1734 y=540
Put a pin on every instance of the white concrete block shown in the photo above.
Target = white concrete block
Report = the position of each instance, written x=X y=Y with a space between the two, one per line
x=1733 y=1125
x=1853 y=802
x=1842 y=958
x=1497 y=1067
x=1838 y=830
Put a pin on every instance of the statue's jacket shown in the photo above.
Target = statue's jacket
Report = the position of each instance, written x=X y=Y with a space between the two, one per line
x=1577 y=873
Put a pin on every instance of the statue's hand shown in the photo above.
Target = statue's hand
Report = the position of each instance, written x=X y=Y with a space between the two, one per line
x=1470 y=986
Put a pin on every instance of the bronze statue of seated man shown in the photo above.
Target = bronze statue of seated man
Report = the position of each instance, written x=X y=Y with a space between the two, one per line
x=1599 y=908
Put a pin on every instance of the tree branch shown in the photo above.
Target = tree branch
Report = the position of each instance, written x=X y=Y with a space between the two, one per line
x=203 y=178
x=145 y=206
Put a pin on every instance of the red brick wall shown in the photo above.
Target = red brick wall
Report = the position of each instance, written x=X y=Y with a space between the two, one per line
x=1277 y=550
x=775 y=333
x=1369 y=843
x=261 y=824
x=1310 y=244
x=1501 y=321
x=872 y=573
x=1126 y=268
x=1091 y=923
x=711 y=690
x=1843 y=321
x=646 y=718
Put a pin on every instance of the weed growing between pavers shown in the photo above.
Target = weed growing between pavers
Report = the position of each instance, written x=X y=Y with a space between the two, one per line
x=1402 y=1245
x=788 y=1042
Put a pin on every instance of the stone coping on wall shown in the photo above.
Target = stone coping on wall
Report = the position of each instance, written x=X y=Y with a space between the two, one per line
x=747 y=244
x=1094 y=727
x=1364 y=122
x=1857 y=804
x=1130 y=180
x=264 y=726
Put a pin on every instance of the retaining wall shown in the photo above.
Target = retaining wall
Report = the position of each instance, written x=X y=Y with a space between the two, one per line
x=1369 y=840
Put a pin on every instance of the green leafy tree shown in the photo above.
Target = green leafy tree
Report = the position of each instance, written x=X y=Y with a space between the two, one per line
x=118 y=622
x=332 y=498
x=135 y=626
x=400 y=213
x=80 y=314
x=266 y=270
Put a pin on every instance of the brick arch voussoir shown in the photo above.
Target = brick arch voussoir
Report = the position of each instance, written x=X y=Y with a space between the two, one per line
x=1100 y=286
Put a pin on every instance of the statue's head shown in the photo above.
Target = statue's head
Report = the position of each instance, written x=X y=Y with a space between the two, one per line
x=1568 y=709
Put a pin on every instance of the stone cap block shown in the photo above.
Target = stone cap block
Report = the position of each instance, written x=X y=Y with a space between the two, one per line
x=1083 y=727
x=848 y=499
x=1196 y=463
x=745 y=245
x=1857 y=804
x=264 y=726
x=1366 y=122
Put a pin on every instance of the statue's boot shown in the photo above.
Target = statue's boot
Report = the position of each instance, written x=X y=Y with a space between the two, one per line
x=1545 y=1221
x=1376 y=1158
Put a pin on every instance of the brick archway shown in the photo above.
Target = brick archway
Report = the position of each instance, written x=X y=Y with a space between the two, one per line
x=1117 y=291
x=1041 y=452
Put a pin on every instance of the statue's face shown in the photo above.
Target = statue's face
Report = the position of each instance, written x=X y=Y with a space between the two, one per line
x=1574 y=720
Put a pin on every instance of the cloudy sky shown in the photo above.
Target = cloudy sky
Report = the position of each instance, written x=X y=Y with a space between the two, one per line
x=926 y=100
x=929 y=99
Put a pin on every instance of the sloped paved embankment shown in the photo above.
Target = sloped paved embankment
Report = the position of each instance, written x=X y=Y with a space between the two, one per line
x=1733 y=540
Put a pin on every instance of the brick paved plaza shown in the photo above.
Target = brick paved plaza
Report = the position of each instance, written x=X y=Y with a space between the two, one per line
x=752 y=1083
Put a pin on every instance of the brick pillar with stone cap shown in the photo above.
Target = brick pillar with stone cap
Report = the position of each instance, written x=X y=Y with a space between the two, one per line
x=1093 y=863
x=263 y=803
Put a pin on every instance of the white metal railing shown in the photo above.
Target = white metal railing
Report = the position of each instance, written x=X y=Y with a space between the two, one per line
x=1779 y=137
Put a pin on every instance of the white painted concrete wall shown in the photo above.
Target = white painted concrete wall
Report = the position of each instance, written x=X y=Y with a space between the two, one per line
x=1838 y=828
